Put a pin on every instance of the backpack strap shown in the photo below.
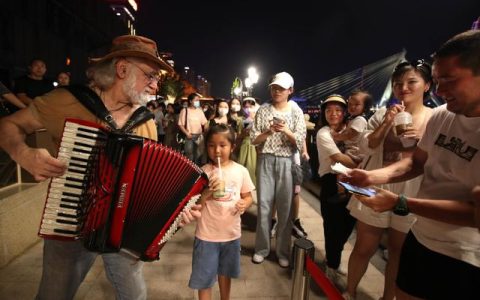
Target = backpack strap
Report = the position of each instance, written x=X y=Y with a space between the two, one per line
x=95 y=105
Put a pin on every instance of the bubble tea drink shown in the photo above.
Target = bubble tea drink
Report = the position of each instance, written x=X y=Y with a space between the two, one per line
x=220 y=192
x=402 y=122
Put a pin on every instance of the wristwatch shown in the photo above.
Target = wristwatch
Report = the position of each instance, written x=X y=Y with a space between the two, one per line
x=401 y=208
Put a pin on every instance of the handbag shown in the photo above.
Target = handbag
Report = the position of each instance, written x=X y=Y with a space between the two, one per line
x=297 y=174
x=306 y=170
x=180 y=136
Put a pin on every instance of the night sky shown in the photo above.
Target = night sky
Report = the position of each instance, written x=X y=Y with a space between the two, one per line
x=311 y=40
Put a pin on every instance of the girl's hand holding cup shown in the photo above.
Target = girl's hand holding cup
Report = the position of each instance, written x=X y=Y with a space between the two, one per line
x=241 y=206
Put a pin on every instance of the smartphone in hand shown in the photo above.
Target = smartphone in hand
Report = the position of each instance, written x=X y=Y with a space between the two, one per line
x=356 y=190
x=277 y=120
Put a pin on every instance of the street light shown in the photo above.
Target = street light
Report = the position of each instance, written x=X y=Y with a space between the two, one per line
x=249 y=82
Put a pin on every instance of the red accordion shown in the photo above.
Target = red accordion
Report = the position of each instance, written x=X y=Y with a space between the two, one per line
x=120 y=192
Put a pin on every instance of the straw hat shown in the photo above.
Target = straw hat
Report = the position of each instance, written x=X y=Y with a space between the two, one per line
x=335 y=98
x=134 y=46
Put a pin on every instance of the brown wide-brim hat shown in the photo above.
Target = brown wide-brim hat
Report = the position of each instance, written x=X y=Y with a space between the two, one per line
x=134 y=46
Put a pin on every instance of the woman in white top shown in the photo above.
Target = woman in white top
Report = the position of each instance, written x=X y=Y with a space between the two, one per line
x=337 y=221
x=411 y=84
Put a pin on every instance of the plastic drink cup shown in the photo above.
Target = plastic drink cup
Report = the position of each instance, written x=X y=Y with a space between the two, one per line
x=220 y=192
x=402 y=122
x=408 y=142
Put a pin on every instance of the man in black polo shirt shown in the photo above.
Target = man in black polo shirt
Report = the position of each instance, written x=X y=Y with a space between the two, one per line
x=34 y=84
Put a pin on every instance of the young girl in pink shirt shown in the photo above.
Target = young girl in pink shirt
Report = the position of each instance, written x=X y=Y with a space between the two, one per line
x=217 y=238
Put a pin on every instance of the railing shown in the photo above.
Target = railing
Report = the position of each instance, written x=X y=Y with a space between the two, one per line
x=306 y=268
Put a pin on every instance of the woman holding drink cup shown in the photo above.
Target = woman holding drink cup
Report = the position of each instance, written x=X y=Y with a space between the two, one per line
x=392 y=133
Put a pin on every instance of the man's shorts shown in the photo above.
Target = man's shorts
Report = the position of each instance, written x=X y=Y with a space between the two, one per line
x=428 y=274
x=211 y=259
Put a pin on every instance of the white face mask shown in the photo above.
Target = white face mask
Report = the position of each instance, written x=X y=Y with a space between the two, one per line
x=235 y=107
x=223 y=111
x=250 y=110
x=196 y=104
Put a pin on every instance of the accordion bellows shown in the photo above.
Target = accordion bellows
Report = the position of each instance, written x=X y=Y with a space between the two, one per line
x=120 y=192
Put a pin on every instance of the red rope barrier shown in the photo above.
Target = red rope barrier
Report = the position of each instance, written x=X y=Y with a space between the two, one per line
x=322 y=281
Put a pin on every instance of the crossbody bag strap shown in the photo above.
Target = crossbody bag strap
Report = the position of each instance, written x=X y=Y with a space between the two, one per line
x=186 y=113
x=93 y=103
x=139 y=116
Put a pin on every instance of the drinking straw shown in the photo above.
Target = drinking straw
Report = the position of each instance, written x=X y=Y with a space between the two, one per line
x=220 y=175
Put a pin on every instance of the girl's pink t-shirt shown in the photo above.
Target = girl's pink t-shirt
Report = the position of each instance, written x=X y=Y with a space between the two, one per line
x=220 y=221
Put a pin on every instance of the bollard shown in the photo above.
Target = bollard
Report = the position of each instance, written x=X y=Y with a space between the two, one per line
x=302 y=249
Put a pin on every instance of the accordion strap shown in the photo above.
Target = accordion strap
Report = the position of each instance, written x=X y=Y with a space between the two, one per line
x=95 y=105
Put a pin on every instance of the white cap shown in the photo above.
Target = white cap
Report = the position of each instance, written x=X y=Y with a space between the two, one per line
x=250 y=99
x=282 y=79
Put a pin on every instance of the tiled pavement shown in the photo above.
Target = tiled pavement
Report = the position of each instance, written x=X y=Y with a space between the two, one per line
x=168 y=277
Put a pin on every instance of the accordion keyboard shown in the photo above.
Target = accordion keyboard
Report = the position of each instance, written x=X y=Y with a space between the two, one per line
x=63 y=210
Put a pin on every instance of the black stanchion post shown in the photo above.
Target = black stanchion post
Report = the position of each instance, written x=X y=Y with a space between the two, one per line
x=302 y=249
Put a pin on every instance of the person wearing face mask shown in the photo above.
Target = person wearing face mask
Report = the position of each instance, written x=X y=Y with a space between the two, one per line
x=236 y=113
x=191 y=122
x=222 y=116
x=247 y=153
x=236 y=110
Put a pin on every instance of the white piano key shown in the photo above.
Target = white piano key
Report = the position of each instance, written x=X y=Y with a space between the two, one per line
x=70 y=137
x=67 y=153
x=60 y=195
x=84 y=134
x=75 y=191
x=51 y=232
x=54 y=216
x=73 y=175
x=58 y=202
x=65 y=181
x=76 y=146
x=53 y=209
x=57 y=225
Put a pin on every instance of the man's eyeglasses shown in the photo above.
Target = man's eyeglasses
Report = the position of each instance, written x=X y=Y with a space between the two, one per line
x=152 y=77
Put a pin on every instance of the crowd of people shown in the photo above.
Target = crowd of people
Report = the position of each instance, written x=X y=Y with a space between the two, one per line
x=423 y=171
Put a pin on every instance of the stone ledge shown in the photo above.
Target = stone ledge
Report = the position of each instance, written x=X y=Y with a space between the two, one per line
x=20 y=216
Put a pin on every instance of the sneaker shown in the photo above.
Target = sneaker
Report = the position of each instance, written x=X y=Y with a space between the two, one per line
x=334 y=274
x=273 y=231
x=341 y=272
x=347 y=296
x=331 y=274
x=297 y=229
x=257 y=259
x=385 y=254
x=284 y=263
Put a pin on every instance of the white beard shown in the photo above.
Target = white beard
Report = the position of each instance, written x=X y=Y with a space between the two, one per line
x=136 y=98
